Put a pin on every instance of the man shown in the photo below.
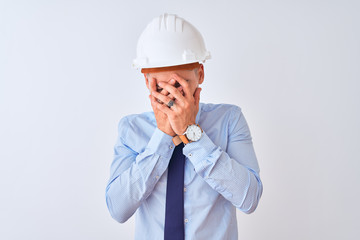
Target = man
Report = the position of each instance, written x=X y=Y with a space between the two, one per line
x=186 y=166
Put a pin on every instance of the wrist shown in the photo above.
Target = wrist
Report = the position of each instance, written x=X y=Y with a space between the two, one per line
x=182 y=132
x=192 y=133
x=170 y=133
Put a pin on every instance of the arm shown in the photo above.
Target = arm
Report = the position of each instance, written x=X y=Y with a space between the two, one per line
x=233 y=172
x=133 y=175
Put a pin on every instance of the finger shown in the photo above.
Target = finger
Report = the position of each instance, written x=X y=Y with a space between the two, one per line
x=172 y=82
x=158 y=100
x=170 y=96
x=152 y=101
x=181 y=90
x=161 y=107
x=197 y=96
x=152 y=84
x=161 y=97
x=173 y=91
x=164 y=92
x=154 y=105
x=183 y=83
x=165 y=109
x=155 y=101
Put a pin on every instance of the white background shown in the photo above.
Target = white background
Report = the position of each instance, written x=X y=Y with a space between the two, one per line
x=66 y=80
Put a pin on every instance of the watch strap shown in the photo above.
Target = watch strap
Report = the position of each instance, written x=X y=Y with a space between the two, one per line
x=176 y=140
x=184 y=139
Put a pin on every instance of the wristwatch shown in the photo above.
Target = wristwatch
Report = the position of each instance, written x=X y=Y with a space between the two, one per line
x=192 y=134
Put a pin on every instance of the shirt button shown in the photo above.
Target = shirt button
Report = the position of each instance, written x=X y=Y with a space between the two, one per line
x=171 y=147
x=190 y=154
x=186 y=220
x=184 y=189
x=157 y=177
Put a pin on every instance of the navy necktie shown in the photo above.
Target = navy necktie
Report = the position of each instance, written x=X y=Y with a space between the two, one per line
x=174 y=210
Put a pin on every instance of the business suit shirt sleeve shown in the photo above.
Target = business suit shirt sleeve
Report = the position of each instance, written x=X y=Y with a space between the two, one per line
x=134 y=175
x=234 y=171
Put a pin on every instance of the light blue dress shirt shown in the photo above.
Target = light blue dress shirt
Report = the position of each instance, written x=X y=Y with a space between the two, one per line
x=221 y=174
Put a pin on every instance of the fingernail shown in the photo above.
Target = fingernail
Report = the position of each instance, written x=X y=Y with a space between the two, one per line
x=160 y=84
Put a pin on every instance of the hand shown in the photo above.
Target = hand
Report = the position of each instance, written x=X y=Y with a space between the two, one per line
x=166 y=93
x=185 y=108
x=161 y=118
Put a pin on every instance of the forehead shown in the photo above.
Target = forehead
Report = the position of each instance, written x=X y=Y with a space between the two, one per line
x=167 y=75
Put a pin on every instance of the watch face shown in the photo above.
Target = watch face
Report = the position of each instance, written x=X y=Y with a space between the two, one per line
x=193 y=133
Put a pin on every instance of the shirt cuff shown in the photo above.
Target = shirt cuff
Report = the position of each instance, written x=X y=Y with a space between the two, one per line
x=161 y=144
x=200 y=151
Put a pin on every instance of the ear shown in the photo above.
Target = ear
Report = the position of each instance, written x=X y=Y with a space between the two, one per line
x=201 y=73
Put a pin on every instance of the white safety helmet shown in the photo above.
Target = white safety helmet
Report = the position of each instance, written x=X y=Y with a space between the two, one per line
x=169 y=40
